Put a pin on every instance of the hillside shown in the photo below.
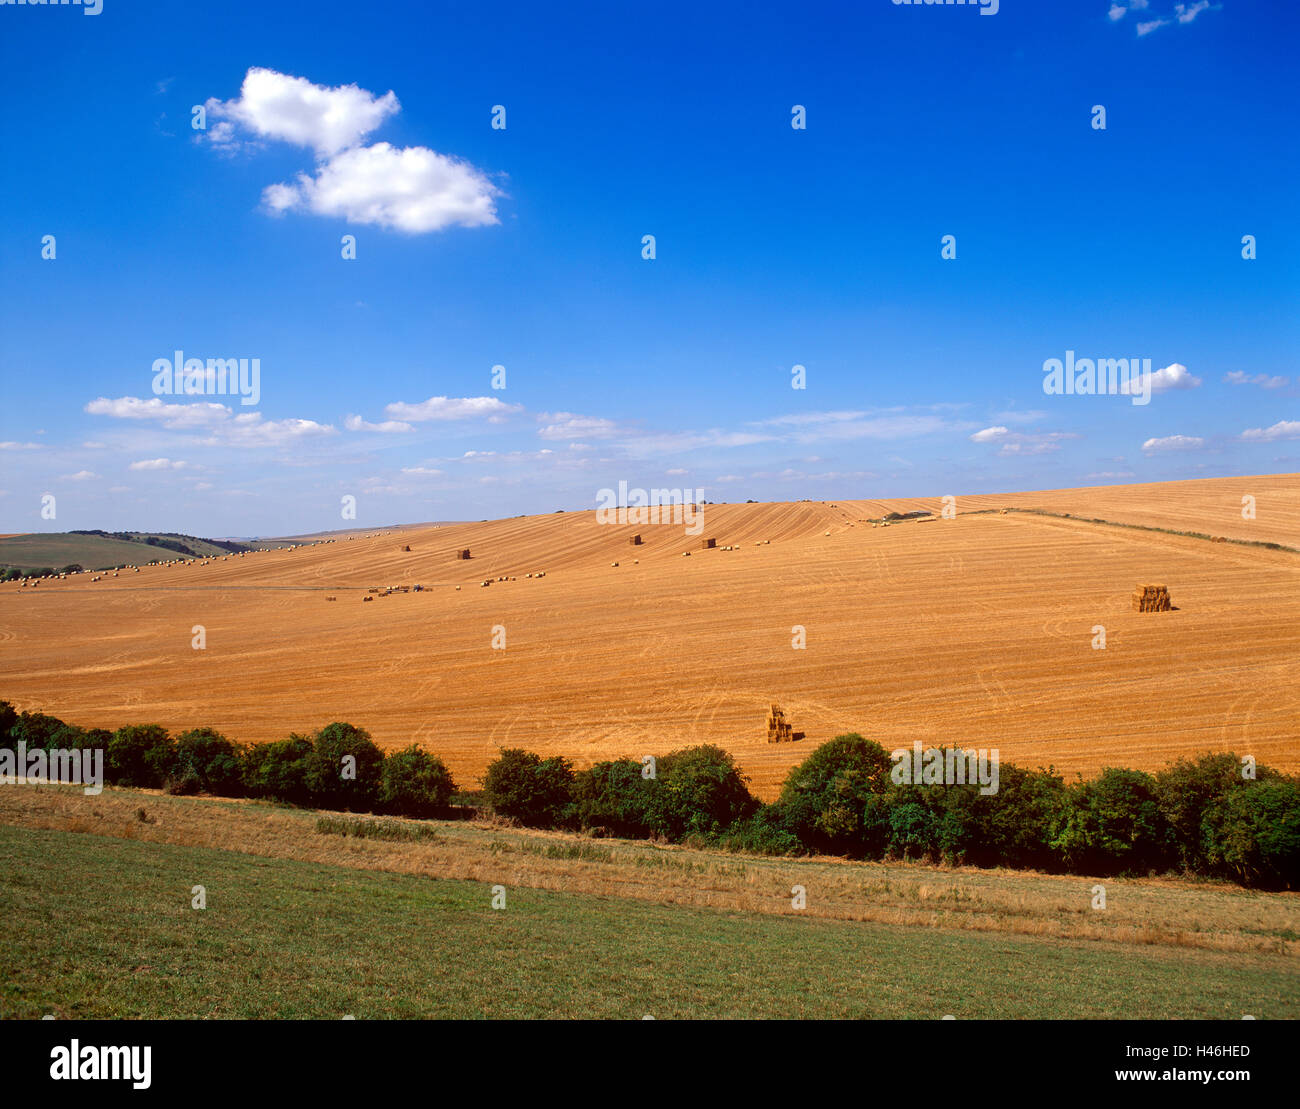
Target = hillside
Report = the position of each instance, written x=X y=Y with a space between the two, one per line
x=99 y=550
x=976 y=630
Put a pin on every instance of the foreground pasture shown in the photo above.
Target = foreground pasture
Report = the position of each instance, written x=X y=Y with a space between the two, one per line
x=285 y=939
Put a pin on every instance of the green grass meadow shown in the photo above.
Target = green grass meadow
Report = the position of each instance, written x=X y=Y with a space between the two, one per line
x=99 y=927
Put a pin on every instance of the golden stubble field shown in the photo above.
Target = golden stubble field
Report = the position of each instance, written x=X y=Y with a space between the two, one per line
x=975 y=631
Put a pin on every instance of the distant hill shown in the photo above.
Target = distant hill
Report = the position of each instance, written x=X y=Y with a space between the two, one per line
x=102 y=550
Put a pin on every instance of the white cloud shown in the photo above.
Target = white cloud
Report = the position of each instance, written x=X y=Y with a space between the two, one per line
x=173 y=416
x=1264 y=381
x=1030 y=445
x=453 y=408
x=1183 y=13
x=291 y=109
x=1020 y=443
x=819 y=427
x=251 y=430
x=569 y=425
x=356 y=423
x=12 y=446
x=1283 y=429
x=248 y=429
x=1108 y=475
x=1173 y=443
x=421 y=470
x=1173 y=376
x=80 y=475
x=1014 y=416
x=158 y=464
x=1116 y=13
x=1188 y=12
x=412 y=189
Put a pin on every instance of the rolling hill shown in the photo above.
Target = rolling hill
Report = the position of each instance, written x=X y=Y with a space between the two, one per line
x=976 y=630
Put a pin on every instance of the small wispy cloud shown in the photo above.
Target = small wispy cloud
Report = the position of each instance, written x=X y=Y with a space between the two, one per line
x=1011 y=443
x=387 y=427
x=490 y=409
x=1264 y=381
x=158 y=464
x=1183 y=13
x=1283 y=429
x=1170 y=443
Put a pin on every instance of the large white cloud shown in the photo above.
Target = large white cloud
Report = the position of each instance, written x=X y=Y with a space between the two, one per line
x=412 y=189
x=275 y=105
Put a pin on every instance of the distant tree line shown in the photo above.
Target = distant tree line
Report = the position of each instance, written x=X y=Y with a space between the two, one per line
x=1198 y=817
x=169 y=540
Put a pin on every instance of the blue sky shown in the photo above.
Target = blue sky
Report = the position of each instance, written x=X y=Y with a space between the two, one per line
x=522 y=247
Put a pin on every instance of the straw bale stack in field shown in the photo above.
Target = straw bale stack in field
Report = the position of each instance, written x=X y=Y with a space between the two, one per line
x=635 y=540
x=708 y=544
x=778 y=730
x=462 y=554
x=1151 y=598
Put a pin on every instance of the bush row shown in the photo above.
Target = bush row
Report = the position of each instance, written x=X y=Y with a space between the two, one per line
x=1198 y=817
x=338 y=767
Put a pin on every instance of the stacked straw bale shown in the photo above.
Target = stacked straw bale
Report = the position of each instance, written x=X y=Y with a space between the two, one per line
x=1151 y=598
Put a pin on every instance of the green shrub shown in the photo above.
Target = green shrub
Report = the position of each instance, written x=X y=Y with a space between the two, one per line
x=1113 y=824
x=1187 y=791
x=912 y=826
x=1253 y=833
x=208 y=761
x=8 y=720
x=764 y=833
x=278 y=770
x=1014 y=827
x=824 y=798
x=183 y=782
x=414 y=782
x=525 y=787
x=700 y=792
x=140 y=755
x=37 y=730
x=614 y=796
x=344 y=769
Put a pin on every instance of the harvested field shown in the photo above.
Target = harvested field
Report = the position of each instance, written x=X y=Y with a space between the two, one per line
x=976 y=630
